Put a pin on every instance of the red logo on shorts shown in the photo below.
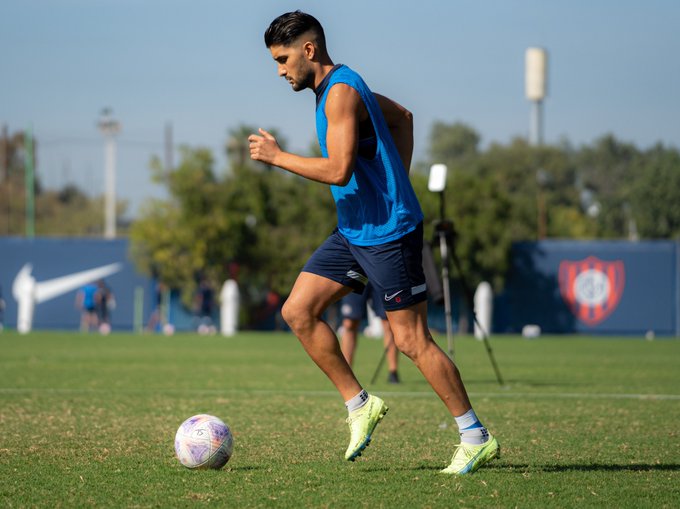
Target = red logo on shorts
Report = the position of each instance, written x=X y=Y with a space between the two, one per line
x=398 y=300
x=592 y=288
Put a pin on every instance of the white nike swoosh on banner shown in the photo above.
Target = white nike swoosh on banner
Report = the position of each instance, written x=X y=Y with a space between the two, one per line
x=390 y=297
x=46 y=290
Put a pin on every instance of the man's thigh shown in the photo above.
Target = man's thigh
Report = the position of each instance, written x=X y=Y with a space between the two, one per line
x=329 y=275
x=395 y=270
x=312 y=294
x=334 y=260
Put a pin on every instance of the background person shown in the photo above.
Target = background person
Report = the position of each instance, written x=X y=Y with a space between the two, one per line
x=354 y=310
x=204 y=304
x=85 y=302
x=156 y=318
x=105 y=302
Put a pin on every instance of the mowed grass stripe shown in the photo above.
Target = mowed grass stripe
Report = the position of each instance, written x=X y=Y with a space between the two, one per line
x=391 y=394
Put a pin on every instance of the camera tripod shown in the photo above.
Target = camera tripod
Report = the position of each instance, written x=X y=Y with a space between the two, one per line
x=445 y=235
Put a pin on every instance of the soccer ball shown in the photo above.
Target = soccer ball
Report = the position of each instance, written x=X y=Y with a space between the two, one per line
x=203 y=441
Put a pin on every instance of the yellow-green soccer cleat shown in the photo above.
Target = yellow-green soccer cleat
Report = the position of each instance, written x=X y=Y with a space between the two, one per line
x=362 y=422
x=468 y=458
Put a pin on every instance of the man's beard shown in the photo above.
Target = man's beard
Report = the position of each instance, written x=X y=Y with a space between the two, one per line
x=307 y=81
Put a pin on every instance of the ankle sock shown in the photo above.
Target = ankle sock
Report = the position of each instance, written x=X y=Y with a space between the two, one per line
x=471 y=430
x=357 y=401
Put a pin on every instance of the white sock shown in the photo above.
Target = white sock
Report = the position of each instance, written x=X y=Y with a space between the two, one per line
x=357 y=401
x=471 y=430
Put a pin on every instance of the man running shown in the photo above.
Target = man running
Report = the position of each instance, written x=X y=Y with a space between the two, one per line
x=367 y=143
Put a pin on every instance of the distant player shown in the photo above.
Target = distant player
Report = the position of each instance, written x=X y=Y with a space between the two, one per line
x=105 y=302
x=353 y=308
x=85 y=302
x=204 y=303
x=367 y=143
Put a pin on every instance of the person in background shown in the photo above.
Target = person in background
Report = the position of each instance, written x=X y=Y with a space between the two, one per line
x=85 y=302
x=105 y=302
x=204 y=303
x=156 y=318
x=354 y=310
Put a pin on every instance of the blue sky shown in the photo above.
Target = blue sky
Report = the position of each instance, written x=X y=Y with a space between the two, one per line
x=202 y=65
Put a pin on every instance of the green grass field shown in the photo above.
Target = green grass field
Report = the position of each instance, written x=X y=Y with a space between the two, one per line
x=90 y=421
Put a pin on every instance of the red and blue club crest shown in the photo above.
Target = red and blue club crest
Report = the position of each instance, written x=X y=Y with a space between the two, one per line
x=592 y=288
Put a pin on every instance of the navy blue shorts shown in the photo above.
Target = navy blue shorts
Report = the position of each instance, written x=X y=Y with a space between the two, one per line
x=395 y=269
x=353 y=306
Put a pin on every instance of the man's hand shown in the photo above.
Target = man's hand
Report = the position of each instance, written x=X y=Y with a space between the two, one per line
x=264 y=147
x=342 y=139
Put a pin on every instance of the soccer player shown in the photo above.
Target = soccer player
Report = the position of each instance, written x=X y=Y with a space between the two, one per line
x=367 y=142
x=354 y=310
x=85 y=302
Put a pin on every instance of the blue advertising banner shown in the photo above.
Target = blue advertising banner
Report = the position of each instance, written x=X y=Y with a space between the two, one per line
x=58 y=268
x=601 y=287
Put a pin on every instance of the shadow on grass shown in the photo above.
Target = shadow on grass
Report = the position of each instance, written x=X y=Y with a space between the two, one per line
x=523 y=468
x=432 y=468
x=594 y=467
x=245 y=468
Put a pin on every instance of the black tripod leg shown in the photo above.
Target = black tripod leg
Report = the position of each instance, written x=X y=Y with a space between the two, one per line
x=471 y=303
x=380 y=363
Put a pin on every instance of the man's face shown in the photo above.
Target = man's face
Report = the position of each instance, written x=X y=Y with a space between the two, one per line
x=294 y=64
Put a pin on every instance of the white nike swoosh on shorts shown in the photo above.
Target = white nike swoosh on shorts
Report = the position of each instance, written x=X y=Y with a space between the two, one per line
x=390 y=297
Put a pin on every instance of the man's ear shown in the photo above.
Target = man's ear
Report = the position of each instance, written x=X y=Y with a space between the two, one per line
x=309 y=50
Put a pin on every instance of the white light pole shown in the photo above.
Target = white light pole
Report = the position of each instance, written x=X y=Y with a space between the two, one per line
x=536 y=85
x=109 y=127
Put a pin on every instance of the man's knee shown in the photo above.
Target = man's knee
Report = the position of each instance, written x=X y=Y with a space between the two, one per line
x=288 y=312
x=409 y=350
x=411 y=345
x=297 y=317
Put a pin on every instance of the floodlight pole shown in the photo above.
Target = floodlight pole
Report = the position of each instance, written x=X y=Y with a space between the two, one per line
x=109 y=128
x=536 y=84
x=536 y=131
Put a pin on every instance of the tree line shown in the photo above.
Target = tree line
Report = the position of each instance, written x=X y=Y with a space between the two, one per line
x=266 y=222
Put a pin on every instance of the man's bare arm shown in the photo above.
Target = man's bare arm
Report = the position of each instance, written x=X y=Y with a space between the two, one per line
x=400 y=123
x=342 y=111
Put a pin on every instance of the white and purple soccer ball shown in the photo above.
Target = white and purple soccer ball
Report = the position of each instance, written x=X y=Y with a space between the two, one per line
x=203 y=441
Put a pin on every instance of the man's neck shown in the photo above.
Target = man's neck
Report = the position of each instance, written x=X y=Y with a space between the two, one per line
x=322 y=71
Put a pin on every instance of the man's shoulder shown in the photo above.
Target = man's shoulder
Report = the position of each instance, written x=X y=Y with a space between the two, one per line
x=344 y=72
x=347 y=76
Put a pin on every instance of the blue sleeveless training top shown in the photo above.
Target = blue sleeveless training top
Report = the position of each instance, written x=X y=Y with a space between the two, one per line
x=378 y=204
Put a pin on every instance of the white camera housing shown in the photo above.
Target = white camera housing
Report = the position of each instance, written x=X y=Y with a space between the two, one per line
x=437 y=180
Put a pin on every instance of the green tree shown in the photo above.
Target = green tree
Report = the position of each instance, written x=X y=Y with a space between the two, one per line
x=268 y=222
x=655 y=194
x=607 y=170
x=190 y=234
x=453 y=144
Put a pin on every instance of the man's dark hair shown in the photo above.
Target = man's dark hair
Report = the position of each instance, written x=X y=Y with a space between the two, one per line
x=288 y=27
